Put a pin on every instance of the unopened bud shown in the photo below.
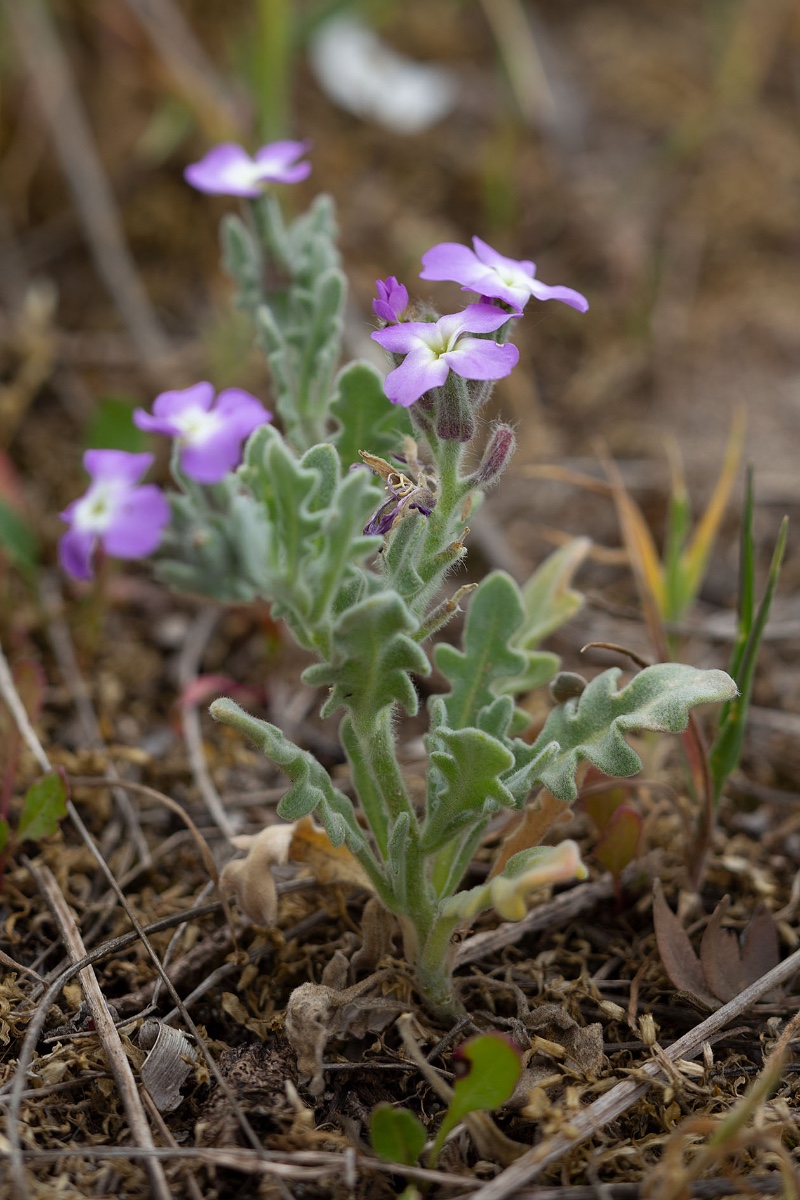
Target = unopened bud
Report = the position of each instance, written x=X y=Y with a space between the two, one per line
x=454 y=417
x=496 y=456
x=566 y=685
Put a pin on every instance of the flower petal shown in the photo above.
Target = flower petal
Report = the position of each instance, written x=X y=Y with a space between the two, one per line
x=566 y=295
x=75 y=550
x=276 y=162
x=419 y=371
x=137 y=527
x=116 y=465
x=450 y=260
x=475 y=358
x=242 y=411
x=226 y=170
x=475 y=318
x=400 y=339
x=498 y=262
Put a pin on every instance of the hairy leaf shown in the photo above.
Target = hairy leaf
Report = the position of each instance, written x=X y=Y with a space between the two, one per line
x=464 y=782
x=495 y=613
x=592 y=725
x=373 y=654
x=311 y=786
x=366 y=419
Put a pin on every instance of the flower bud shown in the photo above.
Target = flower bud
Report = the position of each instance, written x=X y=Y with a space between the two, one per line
x=455 y=421
x=496 y=456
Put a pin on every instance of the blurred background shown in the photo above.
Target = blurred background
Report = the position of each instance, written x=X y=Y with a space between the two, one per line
x=644 y=153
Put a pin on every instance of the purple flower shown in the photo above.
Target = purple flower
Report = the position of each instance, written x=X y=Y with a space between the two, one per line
x=125 y=519
x=210 y=440
x=228 y=170
x=402 y=494
x=488 y=273
x=392 y=300
x=434 y=349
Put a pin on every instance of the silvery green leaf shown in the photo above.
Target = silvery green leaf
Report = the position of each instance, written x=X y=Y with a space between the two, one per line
x=592 y=725
x=371 y=656
x=477 y=672
x=366 y=419
x=463 y=782
x=242 y=259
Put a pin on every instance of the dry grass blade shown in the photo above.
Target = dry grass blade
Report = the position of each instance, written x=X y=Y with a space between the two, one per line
x=194 y=74
x=61 y=642
x=188 y=664
x=106 y=1031
x=17 y=708
x=620 y=1098
x=51 y=75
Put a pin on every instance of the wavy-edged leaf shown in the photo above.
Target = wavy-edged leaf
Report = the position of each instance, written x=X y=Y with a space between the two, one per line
x=366 y=419
x=372 y=658
x=592 y=725
x=311 y=785
x=474 y=673
x=464 y=782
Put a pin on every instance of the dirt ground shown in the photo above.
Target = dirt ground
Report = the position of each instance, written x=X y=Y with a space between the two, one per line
x=646 y=154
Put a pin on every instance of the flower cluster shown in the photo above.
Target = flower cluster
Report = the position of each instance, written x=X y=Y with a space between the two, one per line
x=127 y=519
x=433 y=349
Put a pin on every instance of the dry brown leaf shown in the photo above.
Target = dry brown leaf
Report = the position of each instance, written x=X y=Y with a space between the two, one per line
x=725 y=968
x=680 y=961
x=538 y=816
x=729 y=968
x=316 y=1013
x=311 y=845
x=250 y=878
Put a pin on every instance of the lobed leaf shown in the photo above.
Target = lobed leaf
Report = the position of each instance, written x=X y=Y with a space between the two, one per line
x=592 y=725
x=463 y=782
x=366 y=420
x=475 y=673
x=372 y=657
x=311 y=785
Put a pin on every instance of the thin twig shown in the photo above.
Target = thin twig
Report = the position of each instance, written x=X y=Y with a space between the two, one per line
x=64 y=651
x=106 y=1031
x=188 y=666
x=51 y=74
x=626 y=1093
x=12 y=698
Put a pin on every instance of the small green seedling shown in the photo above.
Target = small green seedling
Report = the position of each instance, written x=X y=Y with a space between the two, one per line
x=44 y=807
x=490 y=1066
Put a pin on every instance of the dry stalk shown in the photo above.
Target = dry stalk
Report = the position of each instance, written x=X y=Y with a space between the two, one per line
x=623 y=1095
x=106 y=1031
x=51 y=74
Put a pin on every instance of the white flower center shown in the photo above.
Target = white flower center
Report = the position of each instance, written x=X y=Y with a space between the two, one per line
x=196 y=426
x=95 y=511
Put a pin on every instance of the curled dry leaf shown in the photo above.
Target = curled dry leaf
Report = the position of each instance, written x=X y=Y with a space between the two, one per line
x=251 y=879
x=315 y=1014
x=725 y=966
x=165 y=1069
